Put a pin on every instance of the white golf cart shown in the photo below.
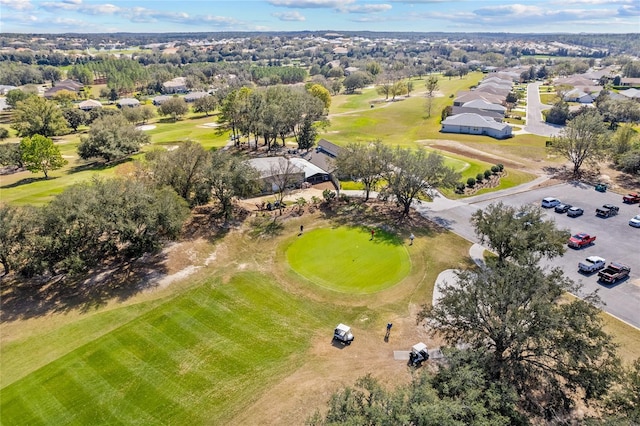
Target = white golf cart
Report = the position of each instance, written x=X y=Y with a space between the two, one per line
x=418 y=354
x=342 y=333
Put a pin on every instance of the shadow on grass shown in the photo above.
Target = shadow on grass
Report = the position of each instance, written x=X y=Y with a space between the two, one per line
x=99 y=165
x=27 y=181
x=24 y=299
x=384 y=218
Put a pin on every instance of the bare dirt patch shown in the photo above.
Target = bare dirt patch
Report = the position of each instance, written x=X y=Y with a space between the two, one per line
x=463 y=150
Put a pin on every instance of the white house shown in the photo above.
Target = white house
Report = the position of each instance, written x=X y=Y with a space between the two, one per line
x=89 y=104
x=177 y=85
x=475 y=124
x=128 y=103
x=577 y=95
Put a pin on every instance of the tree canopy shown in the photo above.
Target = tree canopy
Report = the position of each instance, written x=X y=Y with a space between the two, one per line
x=111 y=137
x=582 y=140
x=38 y=116
x=364 y=162
x=39 y=154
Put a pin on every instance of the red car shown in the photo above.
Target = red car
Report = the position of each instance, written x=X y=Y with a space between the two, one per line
x=581 y=240
x=632 y=197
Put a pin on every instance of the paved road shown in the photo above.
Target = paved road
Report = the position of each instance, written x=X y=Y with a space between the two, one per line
x=535 y=121
x=616 y=240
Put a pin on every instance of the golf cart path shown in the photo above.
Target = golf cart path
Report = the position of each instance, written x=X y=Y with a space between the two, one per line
x=476 y=252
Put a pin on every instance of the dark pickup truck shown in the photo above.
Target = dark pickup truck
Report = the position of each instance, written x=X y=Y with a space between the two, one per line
x=607 y=210
x=614 y=273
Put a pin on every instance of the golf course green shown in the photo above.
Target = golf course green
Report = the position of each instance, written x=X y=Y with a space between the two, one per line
x=348 y=260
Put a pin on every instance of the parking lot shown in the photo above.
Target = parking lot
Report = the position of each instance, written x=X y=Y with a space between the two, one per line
x=615 y=239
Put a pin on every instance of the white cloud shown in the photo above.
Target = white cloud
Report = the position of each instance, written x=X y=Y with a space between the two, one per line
x=592 y=2
x=366 y=8
x=17 y=4
x=289 y=16
x=311 y=4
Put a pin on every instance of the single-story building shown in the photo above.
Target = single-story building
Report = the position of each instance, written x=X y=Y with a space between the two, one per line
x=630 y=82
x=159 y=100
x=5 y=88
x=272 y=172
x=475 y=124
x=312 y=173
x=629 y=94
x=89 y=104
x=191 y=97
x=176 y=85
x=68 y=85
x=128 y=103
x=465 y=96
x=577 y=95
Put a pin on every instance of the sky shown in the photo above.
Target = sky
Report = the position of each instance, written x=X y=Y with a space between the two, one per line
x=164 y=16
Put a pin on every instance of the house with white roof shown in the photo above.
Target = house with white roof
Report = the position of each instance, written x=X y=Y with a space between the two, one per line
x=475 y=124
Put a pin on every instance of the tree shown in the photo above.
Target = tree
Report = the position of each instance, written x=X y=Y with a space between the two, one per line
x=111 y=137
x=38 y=116
x=558 y=114
x=205 y=105
x=518 y=235
x=282 y=177
x=582 y=140
x=39 y=154
x=308 y=134
x=147 y=112
x=416 y=173
x=230 y=177
x=10 y=155
x=373 y=68
x=431 y=85
x=75 y=117
x=364 y=162
x=398 y=88
x=320 y=92
x=356 y=80
x=175 y=107
x=183 y=169
x=509 y=315
x=16 y=225
x=16 y=95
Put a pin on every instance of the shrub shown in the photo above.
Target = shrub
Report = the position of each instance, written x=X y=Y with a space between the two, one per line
x=460 y=186
x=328 y=195
x=495 y=169
x=480 y=177
x=471 y=182
x=487 y=174
x=500 y=166
x=4 y=133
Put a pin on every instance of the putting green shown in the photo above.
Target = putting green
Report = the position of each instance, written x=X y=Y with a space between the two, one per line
x=347 y=260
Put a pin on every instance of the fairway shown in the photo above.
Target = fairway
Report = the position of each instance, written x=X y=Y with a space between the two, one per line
x=347 y=260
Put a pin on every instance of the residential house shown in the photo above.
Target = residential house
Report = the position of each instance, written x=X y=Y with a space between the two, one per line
x=159 y=100
x=176 y=85
x=630 y=82
x=577 y=95
x=466 y=96
x=475 y=124
x=629 y=94
x=127 y=103
x=482 y=107
x=68 y=85
x=493 y=89
x=89 y=104
x=191 y=97
x=323 y=156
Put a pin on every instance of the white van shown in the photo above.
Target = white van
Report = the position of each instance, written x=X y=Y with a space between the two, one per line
x=549 y=202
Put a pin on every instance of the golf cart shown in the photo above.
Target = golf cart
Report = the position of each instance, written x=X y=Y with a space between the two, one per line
x=342 y=333
x=418 y=354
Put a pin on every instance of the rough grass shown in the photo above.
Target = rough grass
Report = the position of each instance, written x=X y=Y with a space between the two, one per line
x=347 y=260
x=197 y=358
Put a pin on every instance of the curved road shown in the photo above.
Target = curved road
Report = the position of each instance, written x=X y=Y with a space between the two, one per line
x=535 y=121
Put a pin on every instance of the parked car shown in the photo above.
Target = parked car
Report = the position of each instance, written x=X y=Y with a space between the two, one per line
x=607 y=210
x=581 y=240
x=562 y=208
x=635 y=221
x=550 y=202
x=342 y=334
x=614 y=273
x=575 y=212
x=591 y=264
x=631 y=198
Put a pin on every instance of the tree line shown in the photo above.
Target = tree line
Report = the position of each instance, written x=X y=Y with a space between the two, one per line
x=517 y=352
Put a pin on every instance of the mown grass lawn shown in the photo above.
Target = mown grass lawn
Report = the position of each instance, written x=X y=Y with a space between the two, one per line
x=194 y=359
x=347 y=260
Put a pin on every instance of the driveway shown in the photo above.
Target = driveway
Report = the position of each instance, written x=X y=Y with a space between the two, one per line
x=535 y=120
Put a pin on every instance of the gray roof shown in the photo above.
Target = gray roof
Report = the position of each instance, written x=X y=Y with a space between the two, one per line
x=265 y=165
x=484 y=105
x=309 y=168
x=328 y=147
x=176 y=82
x=195 y=95
x=630 y=93
x=466 y=96
x=89 y=104
x=474 y=120
x=128 y=101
